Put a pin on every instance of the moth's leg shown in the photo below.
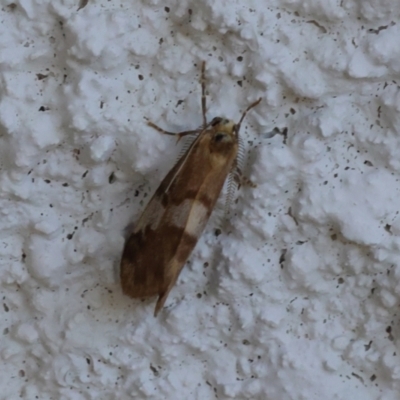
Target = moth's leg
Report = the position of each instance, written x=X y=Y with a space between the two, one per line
x=203 y=93
x=157 y=128
x=179 y=134
x=240 y=179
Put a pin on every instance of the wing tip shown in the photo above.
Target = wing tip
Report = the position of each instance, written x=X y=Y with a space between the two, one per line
x=161 y=299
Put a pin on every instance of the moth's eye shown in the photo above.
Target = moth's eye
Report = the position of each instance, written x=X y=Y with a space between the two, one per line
x=219 y=137
x=216 y=121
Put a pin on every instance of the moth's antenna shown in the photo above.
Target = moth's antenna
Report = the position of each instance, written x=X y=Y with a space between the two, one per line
x=203 y=93
x=245 y=112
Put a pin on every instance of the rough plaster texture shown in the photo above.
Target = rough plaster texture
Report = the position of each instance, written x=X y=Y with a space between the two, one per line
x=298 y=297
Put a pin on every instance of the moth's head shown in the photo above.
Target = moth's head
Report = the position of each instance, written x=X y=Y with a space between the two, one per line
x=223 y=132
x=222 y=140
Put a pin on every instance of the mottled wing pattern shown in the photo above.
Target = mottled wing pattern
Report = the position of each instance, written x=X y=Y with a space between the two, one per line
x=171 y=224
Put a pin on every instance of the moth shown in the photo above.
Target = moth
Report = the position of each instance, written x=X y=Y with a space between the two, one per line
x=175 y=217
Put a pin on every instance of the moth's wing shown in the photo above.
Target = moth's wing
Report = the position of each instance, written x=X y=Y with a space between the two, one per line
x=190 y=203
x=163 y=296
x=185 y=219
x=170 y=226
x=138 y=278
x=182 y=248
x=151 y=260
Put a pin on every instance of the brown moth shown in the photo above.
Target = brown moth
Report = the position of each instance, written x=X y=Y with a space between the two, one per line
x=172 y=222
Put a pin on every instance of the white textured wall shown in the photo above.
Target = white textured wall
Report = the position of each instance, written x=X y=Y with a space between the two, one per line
x=298 y=298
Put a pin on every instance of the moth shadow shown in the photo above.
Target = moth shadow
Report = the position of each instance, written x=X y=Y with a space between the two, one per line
x=127 y=230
